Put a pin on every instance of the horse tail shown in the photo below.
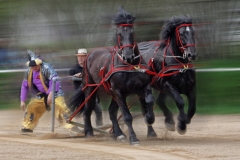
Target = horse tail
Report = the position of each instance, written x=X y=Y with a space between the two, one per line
x=76 y=100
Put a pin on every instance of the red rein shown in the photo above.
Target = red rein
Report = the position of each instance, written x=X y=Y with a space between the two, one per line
x=178 y=39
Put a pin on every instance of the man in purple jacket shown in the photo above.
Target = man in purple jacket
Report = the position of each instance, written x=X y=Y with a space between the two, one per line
x=38 y=82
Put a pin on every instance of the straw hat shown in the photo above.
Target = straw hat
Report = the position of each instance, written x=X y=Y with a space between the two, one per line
x=81 y=52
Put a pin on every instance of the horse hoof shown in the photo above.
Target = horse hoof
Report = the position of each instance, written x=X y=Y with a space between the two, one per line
x=136 y=143
x=170 y=127
x=89 y=135
x=181 y=132
x=152 y=135
x=188 y=121
x=121 y=138
x=182 y=128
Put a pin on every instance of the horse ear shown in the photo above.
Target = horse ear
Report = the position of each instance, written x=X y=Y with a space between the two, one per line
x=173 y=17
x=120 y=9
x=133 y=17
x=188 y=18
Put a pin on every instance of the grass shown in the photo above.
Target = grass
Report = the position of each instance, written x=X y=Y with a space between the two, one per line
x=10 y=105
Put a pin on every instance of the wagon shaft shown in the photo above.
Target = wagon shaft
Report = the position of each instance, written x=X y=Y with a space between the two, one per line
x=95 y=129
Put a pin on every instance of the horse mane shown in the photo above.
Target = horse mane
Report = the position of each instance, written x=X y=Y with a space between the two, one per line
x=123 y=17
x=168 y=29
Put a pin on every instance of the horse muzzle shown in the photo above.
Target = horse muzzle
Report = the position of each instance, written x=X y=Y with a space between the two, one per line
x=191 y=56
x=190 y=53
x=128 y=55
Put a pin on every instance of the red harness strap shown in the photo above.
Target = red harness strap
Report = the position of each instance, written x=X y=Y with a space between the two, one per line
x=165 y=71
x=175 y=69
x=115 y=69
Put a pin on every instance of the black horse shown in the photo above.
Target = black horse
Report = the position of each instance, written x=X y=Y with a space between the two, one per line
x=119 y=70
x=171 y=68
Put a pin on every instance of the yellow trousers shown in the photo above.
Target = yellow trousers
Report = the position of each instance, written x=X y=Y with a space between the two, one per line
x=36 y=108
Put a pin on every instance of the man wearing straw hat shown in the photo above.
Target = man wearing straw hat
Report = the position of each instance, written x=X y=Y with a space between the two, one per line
x=38 y=81
x=76 y=71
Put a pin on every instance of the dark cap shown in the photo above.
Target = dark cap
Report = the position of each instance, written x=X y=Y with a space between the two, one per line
x=34 y=62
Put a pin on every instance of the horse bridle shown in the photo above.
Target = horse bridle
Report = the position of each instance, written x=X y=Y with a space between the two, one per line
x=127 y=45
x=178 y=40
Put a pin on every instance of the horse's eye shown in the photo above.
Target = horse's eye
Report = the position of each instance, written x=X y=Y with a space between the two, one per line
x=118 y=32
x=181 y=36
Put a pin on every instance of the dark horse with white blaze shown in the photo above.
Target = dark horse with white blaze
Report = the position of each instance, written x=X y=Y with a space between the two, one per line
x=119 y=70
x=171 y=68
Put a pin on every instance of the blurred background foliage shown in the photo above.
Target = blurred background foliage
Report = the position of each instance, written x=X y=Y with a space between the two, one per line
x=55 y=29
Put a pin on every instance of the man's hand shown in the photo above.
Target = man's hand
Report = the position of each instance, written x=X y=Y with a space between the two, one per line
x=22 y=105
x=49 y=98
x=78 y=75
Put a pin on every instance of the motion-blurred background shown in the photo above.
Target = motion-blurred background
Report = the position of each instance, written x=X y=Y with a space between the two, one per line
x=55 y=29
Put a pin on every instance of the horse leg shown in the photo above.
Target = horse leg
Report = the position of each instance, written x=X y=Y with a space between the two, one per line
x=147 y=111
x=169 y=121
x=128 y=121
x=149 y=102
x=181 y=127
x=113 y=111
x=191 y=104
x=150 y=131
x=90 y=104
x=121 y=101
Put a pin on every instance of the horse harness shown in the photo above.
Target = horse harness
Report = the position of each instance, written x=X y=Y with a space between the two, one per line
x=125 y=67
x=174 y=68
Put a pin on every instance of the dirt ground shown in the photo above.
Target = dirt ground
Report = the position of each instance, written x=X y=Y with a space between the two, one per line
x=207 y=137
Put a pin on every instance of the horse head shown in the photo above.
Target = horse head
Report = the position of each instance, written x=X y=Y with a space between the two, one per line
x=186 y=41
x=125 y=35
x=180 y=33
